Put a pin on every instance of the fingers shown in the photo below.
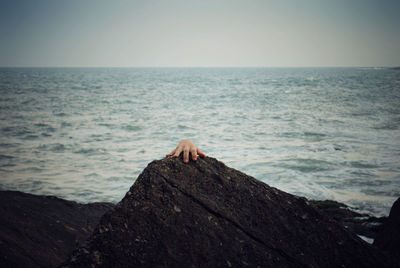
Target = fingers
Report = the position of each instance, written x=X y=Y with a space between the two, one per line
x=187 y=147
x=200 y=153
x=171 y=153
x=193 y=152
x=186 y=154
x=178 y=151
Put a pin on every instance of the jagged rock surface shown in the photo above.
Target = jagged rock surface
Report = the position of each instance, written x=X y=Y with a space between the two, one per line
x=360 y=224
x=205 y=214
x=388 y=238
x=42 y=231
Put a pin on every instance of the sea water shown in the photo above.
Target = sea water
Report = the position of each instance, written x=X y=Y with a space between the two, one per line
x=86 y=133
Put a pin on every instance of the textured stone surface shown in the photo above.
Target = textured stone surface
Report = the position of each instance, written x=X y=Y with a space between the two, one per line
x=388 y=238
x=42 y=231
x=361 y=224
x=205 y=214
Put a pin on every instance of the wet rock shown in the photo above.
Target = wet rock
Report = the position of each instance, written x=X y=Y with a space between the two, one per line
x=357 y=223
x=388 y=238
x=42 y=231
x=205 y=214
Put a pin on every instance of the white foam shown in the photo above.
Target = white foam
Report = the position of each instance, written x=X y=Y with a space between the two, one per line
x=366 y=239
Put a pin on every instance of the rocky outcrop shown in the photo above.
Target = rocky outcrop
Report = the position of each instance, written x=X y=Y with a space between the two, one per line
x=357 y=223
x=205 y=214
x=42 y=231
x=388 y=238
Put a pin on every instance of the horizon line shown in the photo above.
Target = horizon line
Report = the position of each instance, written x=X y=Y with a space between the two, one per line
x=321 y=66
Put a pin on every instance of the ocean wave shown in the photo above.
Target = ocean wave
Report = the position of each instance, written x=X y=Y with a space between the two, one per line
x=316 y=132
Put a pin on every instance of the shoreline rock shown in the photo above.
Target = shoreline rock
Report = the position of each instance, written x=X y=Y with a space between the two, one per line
x=388 y=238
x=360 y=224
x=205 y=214
x=42 y=231
x=205 y=201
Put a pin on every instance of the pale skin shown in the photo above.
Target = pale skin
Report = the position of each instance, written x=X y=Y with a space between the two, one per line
x=186 y=146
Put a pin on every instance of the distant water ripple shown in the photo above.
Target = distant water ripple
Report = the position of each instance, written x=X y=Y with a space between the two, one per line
x=86 y=133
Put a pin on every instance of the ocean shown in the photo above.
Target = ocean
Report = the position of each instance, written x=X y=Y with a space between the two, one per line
x=85 y=134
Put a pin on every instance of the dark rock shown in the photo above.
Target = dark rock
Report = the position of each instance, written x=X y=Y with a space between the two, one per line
x=357 y=223
x=205 y=214
x=42 y=231
x=388 y=238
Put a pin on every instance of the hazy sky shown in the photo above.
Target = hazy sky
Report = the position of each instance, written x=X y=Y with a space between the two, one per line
x=200 y=33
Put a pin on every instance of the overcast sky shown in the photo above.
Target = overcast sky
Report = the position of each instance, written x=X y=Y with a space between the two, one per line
x=200 y=33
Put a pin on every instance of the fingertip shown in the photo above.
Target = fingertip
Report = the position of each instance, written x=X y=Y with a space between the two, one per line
x=200 y=153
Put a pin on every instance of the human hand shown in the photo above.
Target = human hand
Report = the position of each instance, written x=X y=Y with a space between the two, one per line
x=186 y=146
